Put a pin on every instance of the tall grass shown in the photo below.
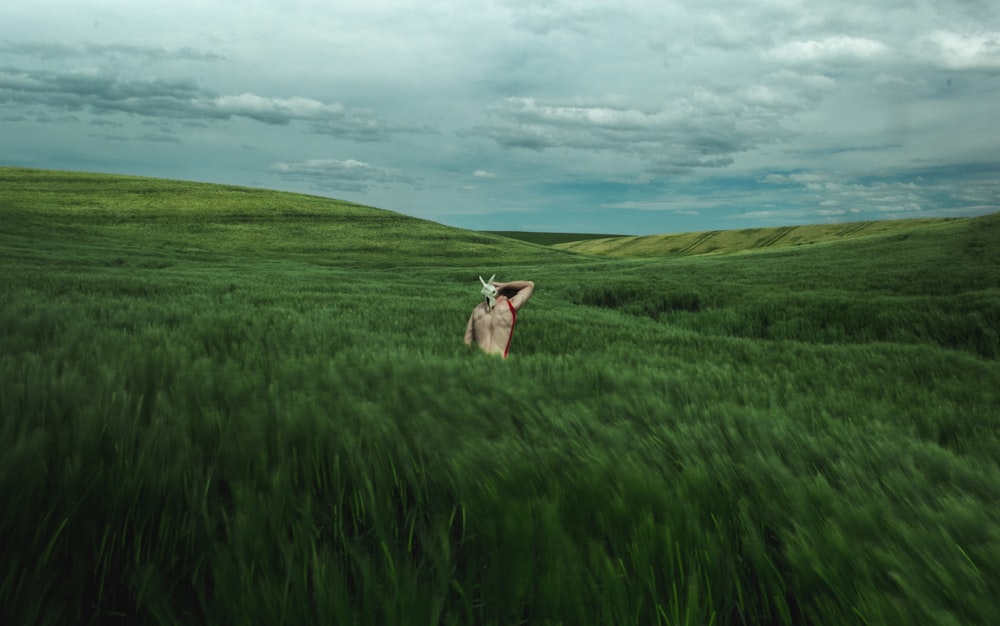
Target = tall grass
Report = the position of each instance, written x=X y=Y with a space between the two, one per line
x=248 y=433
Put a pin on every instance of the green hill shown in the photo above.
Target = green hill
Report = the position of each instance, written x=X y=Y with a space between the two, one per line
x=546 y=238
x=730 y=241
x=144 y=215
x=222 y=405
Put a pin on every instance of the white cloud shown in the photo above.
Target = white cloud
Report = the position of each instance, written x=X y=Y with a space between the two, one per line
x=343 y=175
x=276 y=110
x=972 y=51
x=802 y=178
x=835 y=48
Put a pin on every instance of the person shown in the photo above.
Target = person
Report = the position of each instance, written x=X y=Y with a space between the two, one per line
x=491 y=324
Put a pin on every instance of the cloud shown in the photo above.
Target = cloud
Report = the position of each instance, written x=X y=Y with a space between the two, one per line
x=556 y=16
x=899 y=83
x=51 y=51
x=802 y=178
x=839 y=48
x=704 y=128
x=973 y=51
x=541 y=105
x=147 y=137
x=891 y=194
x=102 y=92
x=279 y=111
x=346 y=175
x=682 y=206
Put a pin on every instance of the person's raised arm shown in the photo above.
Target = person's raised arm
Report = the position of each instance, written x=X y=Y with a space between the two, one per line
x=521 y=289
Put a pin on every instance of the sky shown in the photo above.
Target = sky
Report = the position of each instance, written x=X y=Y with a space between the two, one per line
x=627 y=117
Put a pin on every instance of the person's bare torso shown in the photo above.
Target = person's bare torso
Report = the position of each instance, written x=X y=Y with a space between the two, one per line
x=492 y=329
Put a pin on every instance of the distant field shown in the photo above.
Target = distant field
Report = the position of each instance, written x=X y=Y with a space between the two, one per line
x=730 y=241
x=547 y=239
x=235 y=406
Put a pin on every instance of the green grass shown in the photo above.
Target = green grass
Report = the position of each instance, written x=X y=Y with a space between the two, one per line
x=546 y=238
x=169 y=220
x=236 y=406
x=743 y=240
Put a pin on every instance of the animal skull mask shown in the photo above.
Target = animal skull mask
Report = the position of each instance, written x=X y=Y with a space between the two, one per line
x=489 y=290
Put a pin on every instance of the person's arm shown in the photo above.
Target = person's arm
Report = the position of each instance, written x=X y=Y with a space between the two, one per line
x=470 y=334
x=522 y=288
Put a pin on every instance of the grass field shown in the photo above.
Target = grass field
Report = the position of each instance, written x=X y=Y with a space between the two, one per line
x=235 y=406
x=730 y=241
x=548 y=239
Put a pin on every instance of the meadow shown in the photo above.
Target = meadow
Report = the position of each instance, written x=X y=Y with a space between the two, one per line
x=224 y=405
x=731 y=241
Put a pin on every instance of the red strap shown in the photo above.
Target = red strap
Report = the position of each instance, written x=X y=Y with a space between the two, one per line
x=513 y=313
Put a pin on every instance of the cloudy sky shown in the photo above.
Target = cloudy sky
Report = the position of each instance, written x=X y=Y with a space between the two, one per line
x=628 y=116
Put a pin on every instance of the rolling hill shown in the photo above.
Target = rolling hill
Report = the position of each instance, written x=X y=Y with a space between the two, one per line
x=224 y=405
x=224 y=219
x=744 y=240
x=194 y=219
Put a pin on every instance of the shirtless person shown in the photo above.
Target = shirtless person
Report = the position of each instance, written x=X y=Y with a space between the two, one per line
x=491 y=325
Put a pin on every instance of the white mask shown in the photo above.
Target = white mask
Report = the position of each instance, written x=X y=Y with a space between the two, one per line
x=489 y=291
